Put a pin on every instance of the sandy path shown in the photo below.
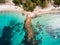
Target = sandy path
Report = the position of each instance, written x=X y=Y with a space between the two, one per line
x=28 y=27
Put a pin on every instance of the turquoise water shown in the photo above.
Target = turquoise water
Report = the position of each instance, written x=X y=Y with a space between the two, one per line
x=47 y=27
x=11 y=28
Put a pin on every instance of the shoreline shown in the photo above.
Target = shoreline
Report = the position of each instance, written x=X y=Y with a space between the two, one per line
x=6 y=7
x=28 y=15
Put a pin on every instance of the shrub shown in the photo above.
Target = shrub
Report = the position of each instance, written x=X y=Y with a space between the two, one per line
x=2 y=1
x=57 y=2
x=30 y=4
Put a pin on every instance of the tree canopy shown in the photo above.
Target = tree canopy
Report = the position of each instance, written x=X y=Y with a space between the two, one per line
x=57 y=2
x=2 y=1
x=29 y=5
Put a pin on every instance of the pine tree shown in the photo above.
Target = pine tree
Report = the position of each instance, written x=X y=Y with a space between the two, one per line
x=30 y=4
x=57 y=2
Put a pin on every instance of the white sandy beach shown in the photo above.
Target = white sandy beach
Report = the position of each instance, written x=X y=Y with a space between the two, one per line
x=37 y=10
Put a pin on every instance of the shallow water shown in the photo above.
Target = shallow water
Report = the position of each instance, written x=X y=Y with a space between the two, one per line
x=11 y=28
x=47 y=27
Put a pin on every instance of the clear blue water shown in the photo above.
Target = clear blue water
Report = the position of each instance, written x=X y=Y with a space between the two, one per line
x=11 y=28
x=47 y=27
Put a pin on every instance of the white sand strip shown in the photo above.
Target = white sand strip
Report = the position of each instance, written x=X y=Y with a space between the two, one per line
x=36 y=12
x=10 y=8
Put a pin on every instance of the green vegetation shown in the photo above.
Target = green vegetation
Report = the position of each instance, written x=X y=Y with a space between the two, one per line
x=29 y=5
x=17 y=2
x=2 y=1
x=57 y=2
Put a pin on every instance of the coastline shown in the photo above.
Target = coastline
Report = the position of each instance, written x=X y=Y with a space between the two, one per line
x=6 y=7
x=36 y=12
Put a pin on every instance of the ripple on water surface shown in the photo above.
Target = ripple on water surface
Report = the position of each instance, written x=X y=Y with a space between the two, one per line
x=11 y=28
x=47 y=29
